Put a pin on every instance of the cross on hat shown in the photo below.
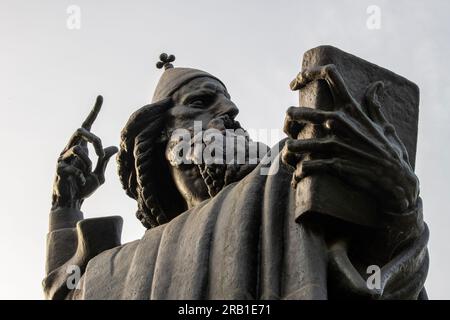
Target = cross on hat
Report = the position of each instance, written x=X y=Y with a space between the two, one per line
x=165 y=61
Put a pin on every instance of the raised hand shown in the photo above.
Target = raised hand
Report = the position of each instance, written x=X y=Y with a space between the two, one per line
x=75 y=180
x=359 y=145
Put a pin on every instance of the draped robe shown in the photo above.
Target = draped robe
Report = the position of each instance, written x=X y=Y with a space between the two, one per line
x=244 y=243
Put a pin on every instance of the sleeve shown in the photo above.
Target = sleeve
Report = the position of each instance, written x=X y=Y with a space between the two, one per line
x=402 y=271
x=71 y=243
x=61 y=238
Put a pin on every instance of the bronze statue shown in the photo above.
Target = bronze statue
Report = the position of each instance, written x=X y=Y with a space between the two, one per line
x=258 y=229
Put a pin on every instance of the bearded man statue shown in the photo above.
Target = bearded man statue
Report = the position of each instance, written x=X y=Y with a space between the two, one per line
x=229 y=229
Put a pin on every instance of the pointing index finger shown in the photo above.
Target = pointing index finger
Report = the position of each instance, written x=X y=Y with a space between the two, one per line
x=87 y=124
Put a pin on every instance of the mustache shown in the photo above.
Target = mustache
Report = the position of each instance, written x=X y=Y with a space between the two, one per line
x=224 y=141
x=224 y=122
x=223 y=153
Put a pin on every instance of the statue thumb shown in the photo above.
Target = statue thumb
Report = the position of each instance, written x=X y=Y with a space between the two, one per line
x=103 y=162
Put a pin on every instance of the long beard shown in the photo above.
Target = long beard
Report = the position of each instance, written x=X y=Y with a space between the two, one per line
x=234 y=158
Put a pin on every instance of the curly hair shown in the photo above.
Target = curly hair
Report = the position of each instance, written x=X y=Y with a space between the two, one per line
x=142 y=168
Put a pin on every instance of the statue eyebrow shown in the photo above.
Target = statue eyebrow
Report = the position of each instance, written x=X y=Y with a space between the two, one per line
x=217 y=88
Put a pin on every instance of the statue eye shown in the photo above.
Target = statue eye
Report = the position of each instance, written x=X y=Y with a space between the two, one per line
x=197 y=102
x=200 y=102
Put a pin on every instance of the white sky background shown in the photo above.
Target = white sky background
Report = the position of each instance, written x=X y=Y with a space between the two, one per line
x=50 y=76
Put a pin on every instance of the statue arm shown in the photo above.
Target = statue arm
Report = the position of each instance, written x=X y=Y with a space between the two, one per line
x=61 y=238
x=75 y=180
x=78 y=245
x=363 y=149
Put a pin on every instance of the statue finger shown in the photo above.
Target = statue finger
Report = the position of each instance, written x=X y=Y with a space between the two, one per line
x=86 y=136
x=66 y=170
x=332 y=121
x=80 y=153
x=87 y=123
x=290 y=158
x=376 y=114
x=331 y=75
x=403 y=150
x=332 y=146
x=60 y=168
x=350 y=171
x=373 y=108
x=339 y=123
x=296 y=117
x=100 y=168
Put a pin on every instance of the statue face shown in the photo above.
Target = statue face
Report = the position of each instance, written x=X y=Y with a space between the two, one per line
x=205 y=100
x=202 y=99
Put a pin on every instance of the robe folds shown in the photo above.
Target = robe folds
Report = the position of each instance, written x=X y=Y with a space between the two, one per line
x=244 y=243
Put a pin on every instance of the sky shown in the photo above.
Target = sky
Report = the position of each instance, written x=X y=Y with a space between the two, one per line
x=51 y=71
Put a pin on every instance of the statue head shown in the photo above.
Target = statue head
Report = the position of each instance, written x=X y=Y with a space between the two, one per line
x=183 y=97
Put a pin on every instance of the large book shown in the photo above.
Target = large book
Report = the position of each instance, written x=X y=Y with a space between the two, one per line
x=328 y=194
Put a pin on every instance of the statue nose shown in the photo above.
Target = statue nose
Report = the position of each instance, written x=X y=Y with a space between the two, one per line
x=228 y=107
